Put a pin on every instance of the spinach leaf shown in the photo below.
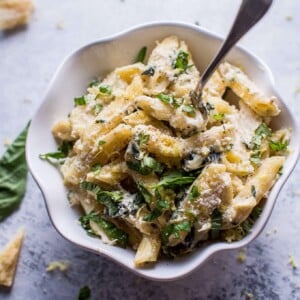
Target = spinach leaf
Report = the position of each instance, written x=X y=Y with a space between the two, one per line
x=145 y=166
x=61 y=153
x=175 y=229
x=80 y=101
x=216 y=221
x=181 y=61
x=278 y=146
x=111 y=200
x=84 y=293
x=169 y=99
x=110 y=229
x=13 y=175
x=141 y=55
x=175 y=179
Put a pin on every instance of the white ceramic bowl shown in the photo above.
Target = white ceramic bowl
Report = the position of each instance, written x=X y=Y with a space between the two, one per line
x=98 y=58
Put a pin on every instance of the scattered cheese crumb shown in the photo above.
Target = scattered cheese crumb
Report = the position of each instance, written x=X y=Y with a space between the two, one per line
x=60 y=25
x=14 y=13
x=289 y=18
x=61 y=265
x=7 y=142
x=292 y=262
x=272 y=231
x=241 y=257
x=249 y=296
x=9 y=258
x=297 y=90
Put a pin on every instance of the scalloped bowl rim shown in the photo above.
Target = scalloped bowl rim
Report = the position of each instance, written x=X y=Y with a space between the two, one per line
x=209 y=250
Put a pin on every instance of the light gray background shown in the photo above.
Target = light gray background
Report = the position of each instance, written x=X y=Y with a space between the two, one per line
x=28 y=59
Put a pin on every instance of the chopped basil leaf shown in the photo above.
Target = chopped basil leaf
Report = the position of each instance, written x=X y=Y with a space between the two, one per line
x=175 y=179
x=61 y=153
x=253 y=191
x=154 y=214
x=216 y=221
x=98 y=108
x=141 y=55
x=101 y=142
x=175 y=229
x=150 y=71
x=219 y=117
x=278 y=146
x=100 y=121
x=190 y=109
x=143 y=138
x=194 y=193
x=90 y=186
x=147 y=196
x=13 y=175
x=105 y=89
x=263 y=130
x=79 y=101
x=169 y=99
x=84 y=293
x=96 y=168
x=146 y=166
x=181 y=61
x=110 y=229
x=110 y=200
x=255 y=158
x=94 y=82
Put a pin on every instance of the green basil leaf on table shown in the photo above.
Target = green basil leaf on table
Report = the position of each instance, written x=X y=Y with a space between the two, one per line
x=13 y=175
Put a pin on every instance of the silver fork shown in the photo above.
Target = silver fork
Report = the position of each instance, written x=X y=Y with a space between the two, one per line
x=250 y=12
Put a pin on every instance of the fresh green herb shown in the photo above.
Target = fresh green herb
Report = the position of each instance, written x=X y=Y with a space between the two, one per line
x=175 y=179
x=253 y=191
x=84 y=293
x=190 y=109
x=169 y=99
x=216 y=221
x=141 y=55
x=278 y=146
x=96 y=168
x=263 y=130
x=61 y=153
x=110 y=200
x=105 y=89
x=94 y=82
x=100 y=121
x=110 y=229
x=154 y=214
x=79 y=101
x=175 y=229
x=146 y=166
x=101 y=142
x=13 y=175
x=194 y=193
x=98 y=108
x=149 y=72
x=143 y=138
x=147 y=196
x=181 y=61
x=255 y=158
x=219 y=117
x=90 y=186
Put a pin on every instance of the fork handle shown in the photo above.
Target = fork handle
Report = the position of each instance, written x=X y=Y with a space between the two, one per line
x=250 y=12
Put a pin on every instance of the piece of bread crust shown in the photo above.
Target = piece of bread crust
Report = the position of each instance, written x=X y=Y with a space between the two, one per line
x=9 y=259
x=15 y=13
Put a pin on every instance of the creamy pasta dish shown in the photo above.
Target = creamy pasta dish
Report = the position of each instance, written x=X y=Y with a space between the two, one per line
x=153 y=172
